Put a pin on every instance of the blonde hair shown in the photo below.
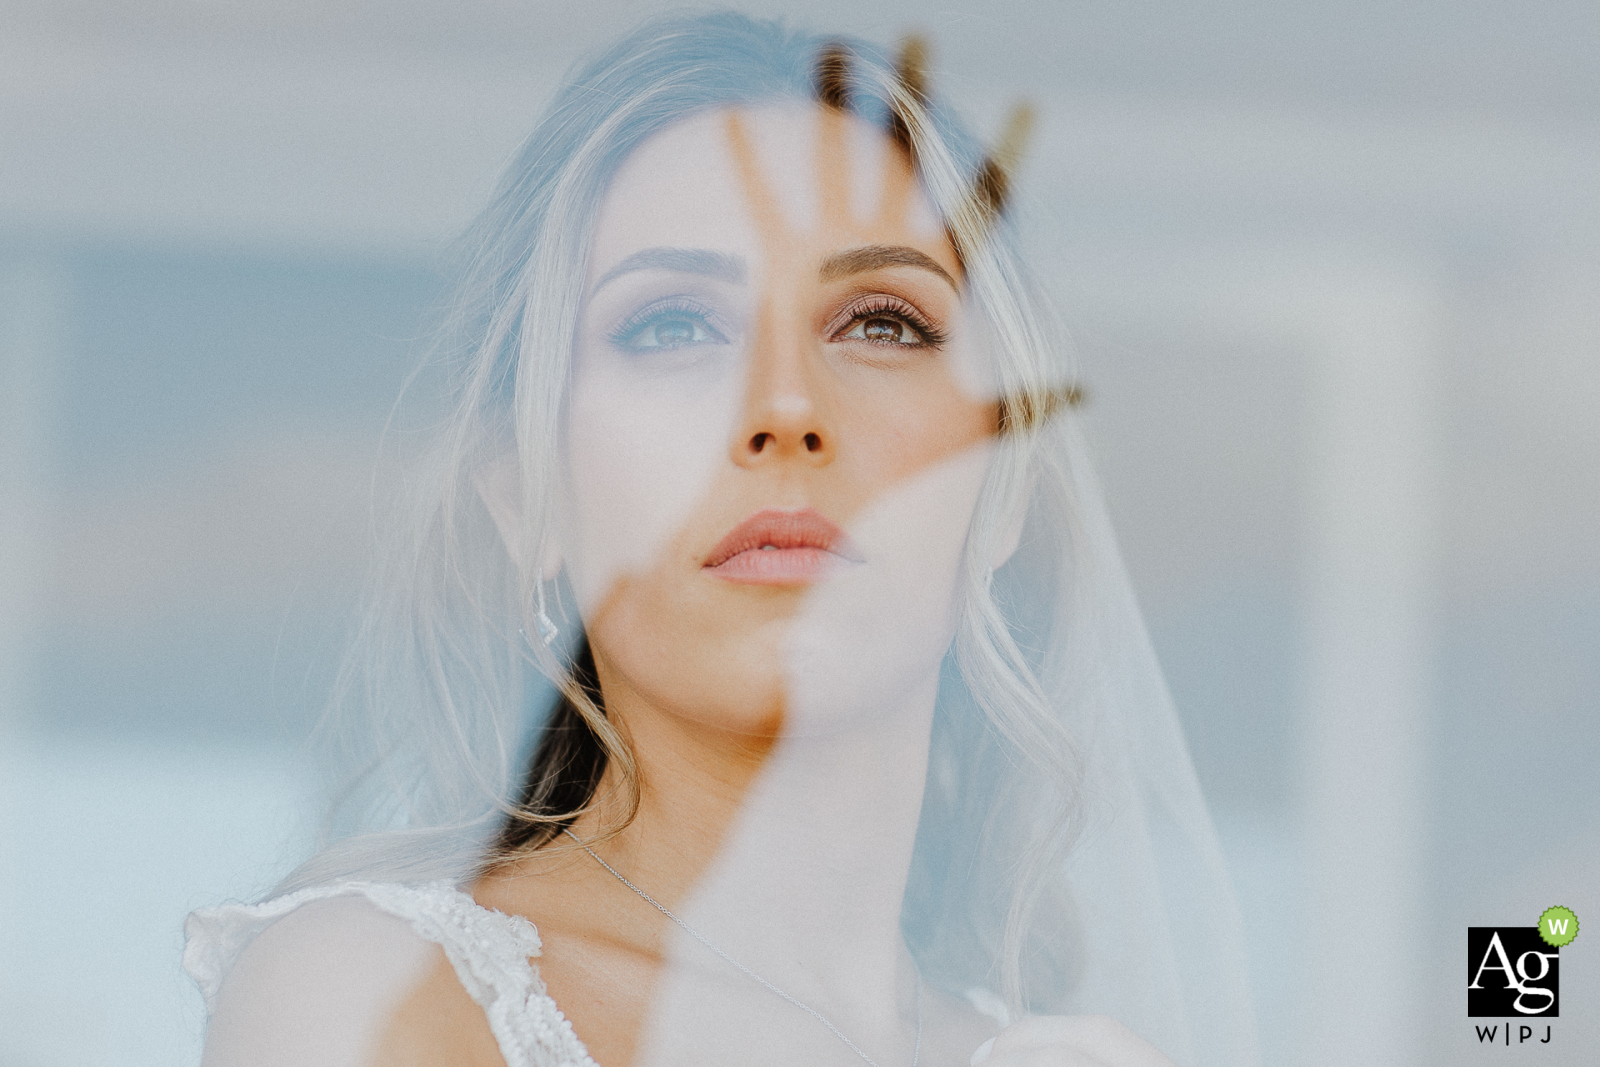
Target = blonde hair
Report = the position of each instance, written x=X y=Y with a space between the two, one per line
x=440 y=694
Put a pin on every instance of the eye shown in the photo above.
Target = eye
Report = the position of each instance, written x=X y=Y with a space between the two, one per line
x=891 y=324
x=881 y=329
x=667 y=326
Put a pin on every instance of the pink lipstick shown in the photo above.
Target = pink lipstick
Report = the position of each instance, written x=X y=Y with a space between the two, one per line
x=777 y=547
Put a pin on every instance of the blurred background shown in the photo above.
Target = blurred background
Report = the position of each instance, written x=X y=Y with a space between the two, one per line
x=1333 y=271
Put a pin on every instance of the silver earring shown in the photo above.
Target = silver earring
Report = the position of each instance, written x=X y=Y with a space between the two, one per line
x=548 y=630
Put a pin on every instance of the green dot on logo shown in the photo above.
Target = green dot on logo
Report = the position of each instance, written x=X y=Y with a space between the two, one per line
x=1558 y=926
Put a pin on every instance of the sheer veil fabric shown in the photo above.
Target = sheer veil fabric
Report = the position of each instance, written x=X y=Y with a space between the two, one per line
x=755 y=407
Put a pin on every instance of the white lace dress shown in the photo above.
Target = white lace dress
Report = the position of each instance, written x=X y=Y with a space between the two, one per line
x=491 y=952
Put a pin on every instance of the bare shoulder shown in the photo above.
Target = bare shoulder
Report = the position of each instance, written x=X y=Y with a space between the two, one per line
x=437 y=1024
x=341 y=983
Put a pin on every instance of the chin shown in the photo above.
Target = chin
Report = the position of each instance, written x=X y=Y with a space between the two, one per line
x=727 y=677
x=741 y=685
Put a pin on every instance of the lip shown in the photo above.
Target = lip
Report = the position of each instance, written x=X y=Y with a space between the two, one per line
x=775 y=546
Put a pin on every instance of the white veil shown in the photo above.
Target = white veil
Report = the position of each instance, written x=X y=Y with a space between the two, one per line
x=1063 y=861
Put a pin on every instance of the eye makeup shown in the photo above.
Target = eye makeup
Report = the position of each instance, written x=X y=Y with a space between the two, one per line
x=858 y=316
x=671 y=323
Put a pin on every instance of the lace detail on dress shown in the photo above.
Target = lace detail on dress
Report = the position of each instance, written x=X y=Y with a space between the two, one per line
x=489 y=950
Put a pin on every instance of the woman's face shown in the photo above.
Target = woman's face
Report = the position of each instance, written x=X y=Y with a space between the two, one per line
x=772 y=435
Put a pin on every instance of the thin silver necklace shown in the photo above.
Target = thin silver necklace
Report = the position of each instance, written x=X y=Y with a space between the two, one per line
x=916 y=1050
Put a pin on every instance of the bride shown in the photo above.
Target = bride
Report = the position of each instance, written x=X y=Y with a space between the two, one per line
x=755 y=681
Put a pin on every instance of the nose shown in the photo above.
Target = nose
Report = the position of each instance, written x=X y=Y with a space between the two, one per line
x=786 y=407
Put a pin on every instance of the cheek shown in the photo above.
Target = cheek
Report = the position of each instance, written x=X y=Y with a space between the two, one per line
x=642 y=450
x=873 y=633
x=895 y=430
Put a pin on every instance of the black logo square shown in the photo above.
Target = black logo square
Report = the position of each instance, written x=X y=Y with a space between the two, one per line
x=1511 y=973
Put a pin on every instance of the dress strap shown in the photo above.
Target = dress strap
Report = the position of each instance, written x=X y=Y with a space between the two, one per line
x=490 y=951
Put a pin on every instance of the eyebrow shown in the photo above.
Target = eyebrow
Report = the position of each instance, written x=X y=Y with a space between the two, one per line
x=876 y=257
x=701 y=261
x=724 y=267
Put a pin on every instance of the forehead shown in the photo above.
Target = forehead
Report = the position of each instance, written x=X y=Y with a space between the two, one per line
x=690 y=186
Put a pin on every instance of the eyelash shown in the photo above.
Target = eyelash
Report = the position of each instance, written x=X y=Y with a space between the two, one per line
x=668 y=310
x=880 y=307
x=883 y=307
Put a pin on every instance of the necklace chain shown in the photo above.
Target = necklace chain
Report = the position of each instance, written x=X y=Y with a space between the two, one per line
x=916 y=1051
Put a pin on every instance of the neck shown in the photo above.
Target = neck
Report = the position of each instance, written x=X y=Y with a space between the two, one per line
x=790 y=855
